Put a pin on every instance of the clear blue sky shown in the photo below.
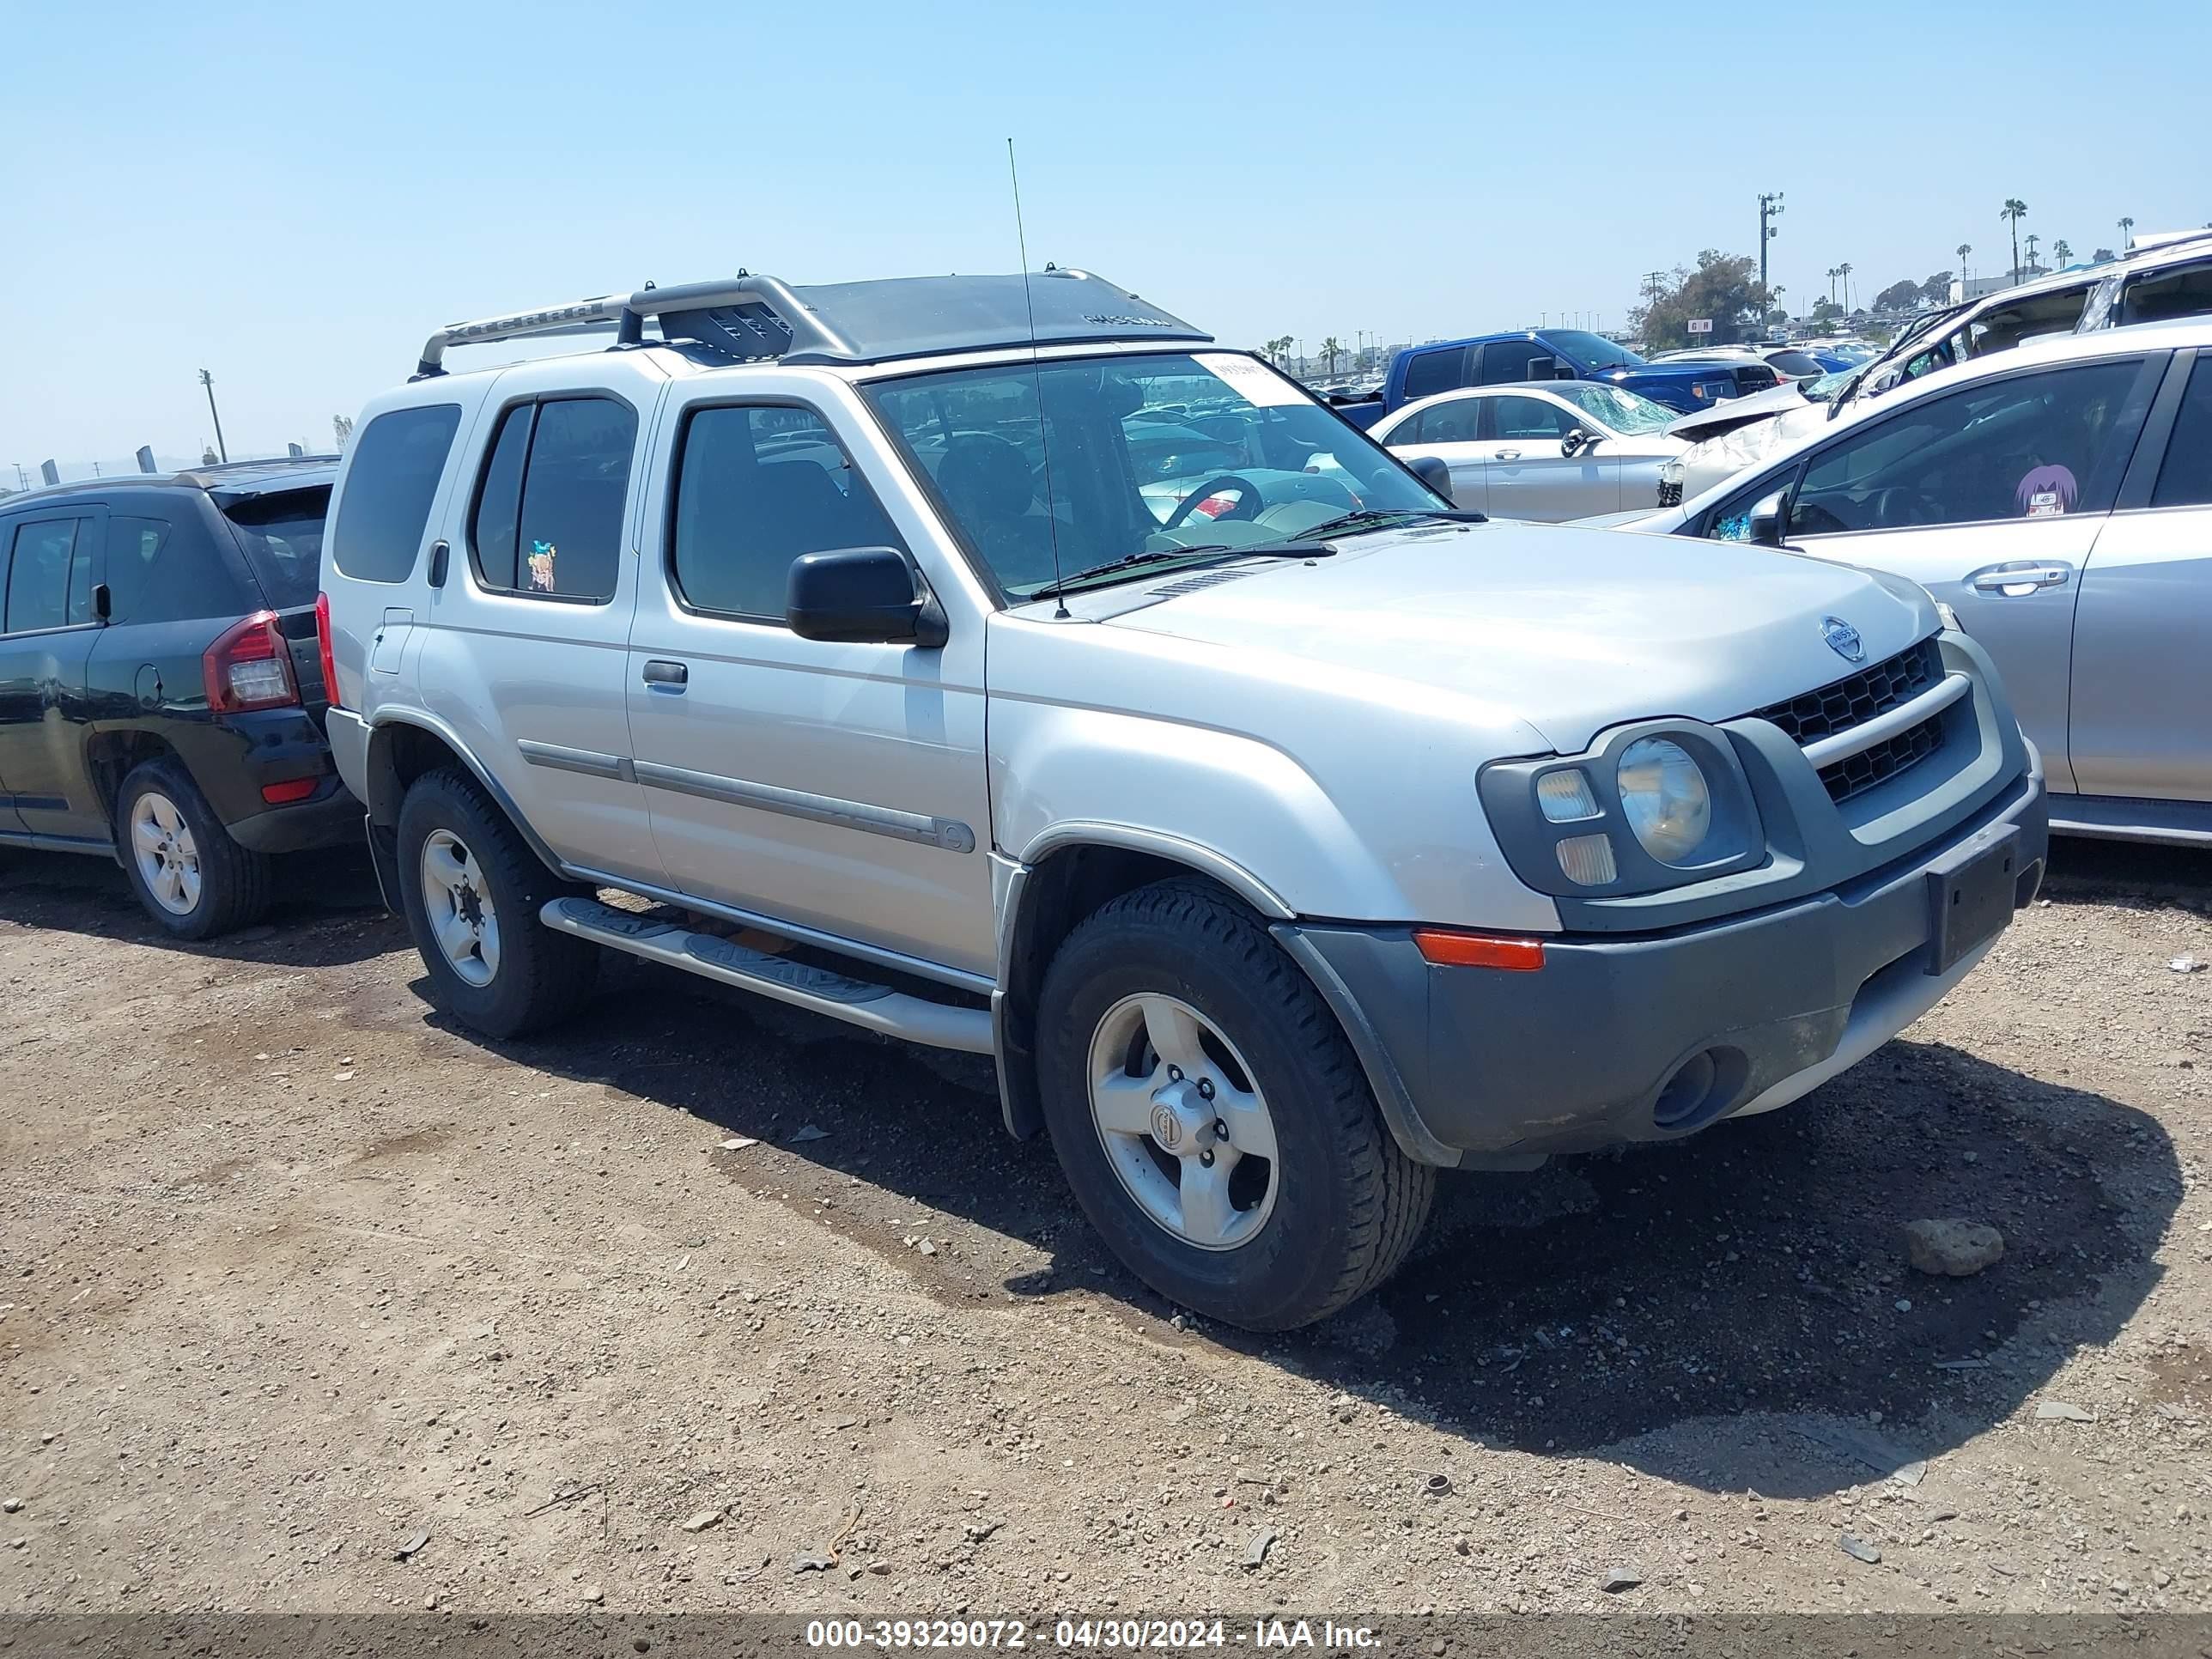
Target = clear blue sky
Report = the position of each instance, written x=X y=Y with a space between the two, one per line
x=294 y=195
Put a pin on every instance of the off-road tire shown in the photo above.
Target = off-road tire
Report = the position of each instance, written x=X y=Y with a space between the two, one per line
x=237 y=884
x=1349 y=1205
x=541 y=975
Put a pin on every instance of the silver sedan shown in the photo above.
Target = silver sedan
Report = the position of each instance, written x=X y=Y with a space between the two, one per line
x=1546 y=449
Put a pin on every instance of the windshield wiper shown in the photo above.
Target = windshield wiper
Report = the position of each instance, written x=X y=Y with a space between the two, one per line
x=1298 y=549
x=1373 y=515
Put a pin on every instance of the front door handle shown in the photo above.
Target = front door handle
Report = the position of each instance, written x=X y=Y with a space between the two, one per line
x=1508 y=455
x=2019 y=578
x=660 y=672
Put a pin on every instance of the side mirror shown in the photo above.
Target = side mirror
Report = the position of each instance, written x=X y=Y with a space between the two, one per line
x=1541 y=369
x=861 y=595
x=1766 y=522
x=1434 y=472
x=103 y=601
x=1577 y=441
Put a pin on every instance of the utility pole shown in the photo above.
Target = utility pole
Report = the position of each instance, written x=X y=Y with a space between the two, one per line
x=1770 y=205
x=23 y=479
x=221 y=448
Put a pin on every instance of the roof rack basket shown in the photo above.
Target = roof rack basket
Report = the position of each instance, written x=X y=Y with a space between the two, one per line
x=742 y=316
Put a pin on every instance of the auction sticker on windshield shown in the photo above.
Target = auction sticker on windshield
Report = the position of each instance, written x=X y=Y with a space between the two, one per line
x=1254 y=382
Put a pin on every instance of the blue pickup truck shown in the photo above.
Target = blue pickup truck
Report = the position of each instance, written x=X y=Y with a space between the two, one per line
x=1553 y=354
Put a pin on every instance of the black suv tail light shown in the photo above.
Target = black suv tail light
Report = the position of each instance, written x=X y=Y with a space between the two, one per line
x=250 y=667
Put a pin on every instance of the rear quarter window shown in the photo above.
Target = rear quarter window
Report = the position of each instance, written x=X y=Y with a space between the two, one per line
x=390 y=487
x=167 y=568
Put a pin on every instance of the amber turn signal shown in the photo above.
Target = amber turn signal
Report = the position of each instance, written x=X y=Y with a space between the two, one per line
x=1455 y=950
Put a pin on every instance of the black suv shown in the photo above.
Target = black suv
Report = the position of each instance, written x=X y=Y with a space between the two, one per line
x=161 y=681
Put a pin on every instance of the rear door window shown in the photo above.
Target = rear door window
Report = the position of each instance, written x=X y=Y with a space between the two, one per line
x=167 y=569
x=390 y=486
x=2043 y=445
x=547 y=522
x=282 y=536
x=49 y=576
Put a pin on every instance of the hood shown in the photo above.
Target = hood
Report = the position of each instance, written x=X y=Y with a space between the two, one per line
x=1573 y=629
x=1717 y=460
x=1739 y=411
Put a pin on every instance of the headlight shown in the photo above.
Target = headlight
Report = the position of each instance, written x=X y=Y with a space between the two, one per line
x=1665 y=796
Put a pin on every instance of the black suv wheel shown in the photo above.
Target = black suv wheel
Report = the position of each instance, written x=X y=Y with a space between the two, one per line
x=1212 y=1118
x=191 y=876
x=472 y=889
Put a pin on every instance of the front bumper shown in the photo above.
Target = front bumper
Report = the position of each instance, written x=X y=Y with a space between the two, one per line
x=1653 y=1036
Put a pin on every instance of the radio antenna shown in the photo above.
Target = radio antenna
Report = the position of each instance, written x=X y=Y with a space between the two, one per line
x=1036 y=381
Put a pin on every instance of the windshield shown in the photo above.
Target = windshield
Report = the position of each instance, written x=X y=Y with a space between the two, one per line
x=1141 y=454
x=1627 y=412
x=1590 y=350
x=282 y=536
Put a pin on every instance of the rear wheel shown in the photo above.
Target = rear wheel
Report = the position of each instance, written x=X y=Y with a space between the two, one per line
x=192 y=879
x=1212 y=1118
x=471 y=889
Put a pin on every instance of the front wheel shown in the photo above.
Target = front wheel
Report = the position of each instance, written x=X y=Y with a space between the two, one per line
x=472 y=889
x=1214 y=1123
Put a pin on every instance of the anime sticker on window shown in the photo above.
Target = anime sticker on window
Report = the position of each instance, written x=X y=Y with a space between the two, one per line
x=541 y=565
x=2047 y=492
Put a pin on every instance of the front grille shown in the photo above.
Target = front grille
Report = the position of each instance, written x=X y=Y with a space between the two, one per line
x=1670 y=492
x=1852 y=702
x=1862 y=771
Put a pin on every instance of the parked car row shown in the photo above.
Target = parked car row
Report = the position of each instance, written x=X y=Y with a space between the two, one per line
x=1285 y=820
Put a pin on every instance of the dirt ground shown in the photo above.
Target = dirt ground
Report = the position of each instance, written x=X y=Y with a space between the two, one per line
x=309 y=1300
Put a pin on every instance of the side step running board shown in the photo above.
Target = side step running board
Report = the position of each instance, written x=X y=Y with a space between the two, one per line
x=856 y=1001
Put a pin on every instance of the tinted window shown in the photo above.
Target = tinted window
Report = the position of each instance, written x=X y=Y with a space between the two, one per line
x=756 y=487
x=1455 y=422
x=2027 y=447
x=2183 y=292
x=1409 y=430
x=1507 y=361
x=162 y=571
x=2185 y=477
x=492 y=524
x=397 y=460
x=50 y=578
x=282 y=536
x=1432 y=372
x=1529 y=417
x=574 y=485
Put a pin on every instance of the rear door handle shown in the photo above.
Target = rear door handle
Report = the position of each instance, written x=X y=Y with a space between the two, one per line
x=2019 y=578
x=660 y=672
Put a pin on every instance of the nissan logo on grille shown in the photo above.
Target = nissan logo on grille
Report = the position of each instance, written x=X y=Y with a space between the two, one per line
x=1843 y=639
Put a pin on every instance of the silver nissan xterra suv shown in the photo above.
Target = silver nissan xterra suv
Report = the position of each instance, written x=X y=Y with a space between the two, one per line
x=998 y=664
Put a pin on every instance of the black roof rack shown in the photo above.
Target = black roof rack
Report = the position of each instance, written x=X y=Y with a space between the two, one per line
x=748 y=318
x=226 y=480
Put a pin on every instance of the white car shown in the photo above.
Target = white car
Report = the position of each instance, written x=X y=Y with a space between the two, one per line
x=2170 y=279
x=2057 y=499
x=1280 y=855
x=1543 y=449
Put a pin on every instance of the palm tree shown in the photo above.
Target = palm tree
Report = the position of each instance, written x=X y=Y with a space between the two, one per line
x=2061 y=255
x=2015 y=210
x=1832 y=274
x=2127 y=224
x=1278 y=348
x=1331 y=349
x=2032 y=239
x=1844 y=270
x=1965 y=248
